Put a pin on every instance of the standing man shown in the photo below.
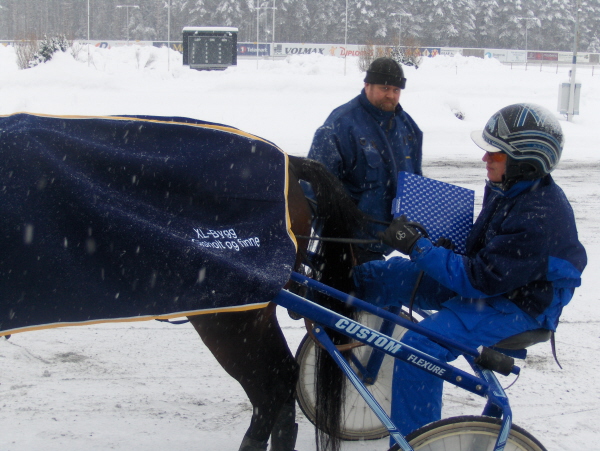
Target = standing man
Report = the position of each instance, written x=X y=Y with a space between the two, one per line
x=367 y=141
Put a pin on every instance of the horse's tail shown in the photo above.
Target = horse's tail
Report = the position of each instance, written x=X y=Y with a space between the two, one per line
x=340 y=218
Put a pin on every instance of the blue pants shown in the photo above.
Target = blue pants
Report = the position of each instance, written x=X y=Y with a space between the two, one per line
x=417 y=394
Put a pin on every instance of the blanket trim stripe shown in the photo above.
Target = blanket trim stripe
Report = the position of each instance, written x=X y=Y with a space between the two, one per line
x=232 y=309
x=135 y=119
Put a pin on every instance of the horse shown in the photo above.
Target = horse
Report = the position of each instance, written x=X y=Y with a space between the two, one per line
x=136 y=212
x=253 y=339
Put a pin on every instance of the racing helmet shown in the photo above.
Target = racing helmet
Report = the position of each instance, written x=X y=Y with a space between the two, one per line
x=529 y=134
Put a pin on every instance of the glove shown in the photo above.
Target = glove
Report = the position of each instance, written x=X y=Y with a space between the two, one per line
x=444 y=242
x=402 y=234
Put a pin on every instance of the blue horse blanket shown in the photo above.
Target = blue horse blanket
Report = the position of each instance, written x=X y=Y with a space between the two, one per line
x=128 y=218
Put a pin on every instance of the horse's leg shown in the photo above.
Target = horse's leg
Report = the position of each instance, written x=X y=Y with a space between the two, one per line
x=252 y=349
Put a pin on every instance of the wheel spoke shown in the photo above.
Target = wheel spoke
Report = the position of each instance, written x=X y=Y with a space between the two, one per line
x=359 y=422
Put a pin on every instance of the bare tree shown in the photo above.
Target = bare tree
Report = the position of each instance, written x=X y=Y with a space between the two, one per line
x=370 y=52
x=25 y=50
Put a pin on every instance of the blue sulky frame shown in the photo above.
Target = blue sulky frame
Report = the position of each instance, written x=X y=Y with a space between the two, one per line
x=484 y=383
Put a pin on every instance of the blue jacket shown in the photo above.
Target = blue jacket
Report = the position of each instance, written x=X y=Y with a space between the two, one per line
x=523 y=247
x=365 y=148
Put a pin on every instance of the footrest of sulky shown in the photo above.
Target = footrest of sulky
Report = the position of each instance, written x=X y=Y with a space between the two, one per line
x=495 y=361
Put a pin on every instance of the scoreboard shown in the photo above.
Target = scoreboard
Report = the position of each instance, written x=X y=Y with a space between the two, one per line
x=210 y=48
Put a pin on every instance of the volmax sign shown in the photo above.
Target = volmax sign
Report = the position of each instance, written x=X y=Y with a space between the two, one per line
x=319 y=49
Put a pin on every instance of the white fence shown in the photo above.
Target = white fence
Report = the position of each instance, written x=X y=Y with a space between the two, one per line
x=249 y=49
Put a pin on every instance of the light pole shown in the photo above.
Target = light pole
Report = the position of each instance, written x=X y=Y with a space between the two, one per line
x=257 y=37
x=400 y=14
x=346 y=38
x=127 y=8
x=88 y=36
x=258 y=7
x=571 y=107
x=168 y=35
x=526 y=27
x=273 y=31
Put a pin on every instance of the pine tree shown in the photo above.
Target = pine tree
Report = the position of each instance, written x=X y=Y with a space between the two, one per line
x=48 y=47
x=511 y=29
x=589 y=24
x=459 y=23
x=486 y=26
x=550 y=26
x=594 y=46
x=228 y=13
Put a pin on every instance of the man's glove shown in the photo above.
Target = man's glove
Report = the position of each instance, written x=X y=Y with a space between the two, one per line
x=444 y=242
x=402 y=234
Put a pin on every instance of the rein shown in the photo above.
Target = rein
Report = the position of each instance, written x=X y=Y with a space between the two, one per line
x=339 y=240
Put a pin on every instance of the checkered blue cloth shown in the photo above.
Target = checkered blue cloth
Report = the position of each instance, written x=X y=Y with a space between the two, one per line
x=443 y=209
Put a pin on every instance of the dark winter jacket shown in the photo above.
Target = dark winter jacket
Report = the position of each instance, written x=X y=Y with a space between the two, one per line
x=523 y=247
x=365 y=148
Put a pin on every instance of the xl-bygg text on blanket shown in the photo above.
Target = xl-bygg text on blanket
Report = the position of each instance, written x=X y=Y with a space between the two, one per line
x=126 y=218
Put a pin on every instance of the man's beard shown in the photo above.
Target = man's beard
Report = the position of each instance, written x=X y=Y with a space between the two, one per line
x=387 y=106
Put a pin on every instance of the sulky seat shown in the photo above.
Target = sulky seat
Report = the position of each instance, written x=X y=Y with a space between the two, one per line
x=525 y=339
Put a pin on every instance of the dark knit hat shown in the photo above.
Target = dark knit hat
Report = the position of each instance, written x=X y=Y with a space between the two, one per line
x=386 y=71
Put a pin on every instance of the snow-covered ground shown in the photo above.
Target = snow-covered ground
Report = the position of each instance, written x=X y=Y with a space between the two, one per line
x=151 y=386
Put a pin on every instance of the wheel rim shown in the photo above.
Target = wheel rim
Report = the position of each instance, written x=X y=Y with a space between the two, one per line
x=470 y=434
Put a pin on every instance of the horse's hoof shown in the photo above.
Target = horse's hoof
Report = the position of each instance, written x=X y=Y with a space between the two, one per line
x=249 y=444
x=286 y=441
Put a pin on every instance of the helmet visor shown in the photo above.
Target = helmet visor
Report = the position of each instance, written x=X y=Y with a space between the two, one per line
x=477 y=137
